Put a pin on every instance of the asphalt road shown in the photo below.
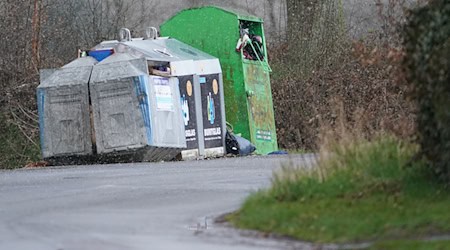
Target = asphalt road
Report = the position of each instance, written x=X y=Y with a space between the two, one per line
x=133 y=206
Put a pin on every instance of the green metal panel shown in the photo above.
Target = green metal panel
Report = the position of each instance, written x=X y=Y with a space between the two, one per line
x=216 y=32
x=260 y=107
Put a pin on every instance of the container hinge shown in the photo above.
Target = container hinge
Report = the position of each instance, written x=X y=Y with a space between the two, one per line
x=151 y=33
x=125 y=35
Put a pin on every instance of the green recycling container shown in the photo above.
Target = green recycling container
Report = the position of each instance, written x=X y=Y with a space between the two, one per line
x=246 y=71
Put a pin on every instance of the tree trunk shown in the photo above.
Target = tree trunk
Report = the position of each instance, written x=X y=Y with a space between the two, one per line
x=36 y=31
x=313 y=31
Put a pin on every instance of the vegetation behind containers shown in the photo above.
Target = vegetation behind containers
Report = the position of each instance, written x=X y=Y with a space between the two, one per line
x=322 y=69
x=361 y=75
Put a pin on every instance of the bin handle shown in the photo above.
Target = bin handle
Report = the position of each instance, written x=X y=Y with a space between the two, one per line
x=267 y=68
x=229 y=126
x=125 y=35
x=151 y=33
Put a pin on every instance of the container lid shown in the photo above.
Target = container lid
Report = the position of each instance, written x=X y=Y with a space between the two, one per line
x=75 y=73
x=182 y=50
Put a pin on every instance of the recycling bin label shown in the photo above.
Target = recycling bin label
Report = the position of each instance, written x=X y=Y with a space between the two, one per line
x=163 y=93
x=211 y=110
x=187 y=95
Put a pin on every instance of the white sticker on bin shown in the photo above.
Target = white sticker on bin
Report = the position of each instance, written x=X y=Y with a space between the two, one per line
x=164 y=97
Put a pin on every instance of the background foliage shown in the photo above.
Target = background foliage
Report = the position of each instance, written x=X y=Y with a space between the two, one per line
x=427 y=43
x=332 y=59
x=322 y=72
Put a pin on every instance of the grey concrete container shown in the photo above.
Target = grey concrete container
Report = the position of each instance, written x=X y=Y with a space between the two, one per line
x=208 y=95
x=181 y=67
x=151 y=99
x=134 y=112
x=63 y=106
x=200 y=84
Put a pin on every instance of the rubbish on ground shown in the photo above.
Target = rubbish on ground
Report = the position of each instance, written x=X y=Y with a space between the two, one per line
x=245 y=146
x=231 y=143
x=281 y=152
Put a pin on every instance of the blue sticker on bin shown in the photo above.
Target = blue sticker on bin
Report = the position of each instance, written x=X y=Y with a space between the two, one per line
x=202 y=80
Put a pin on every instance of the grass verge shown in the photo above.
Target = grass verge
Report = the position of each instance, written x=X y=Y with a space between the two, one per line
x=411 y=245
x=362 y=191
x=15 y=149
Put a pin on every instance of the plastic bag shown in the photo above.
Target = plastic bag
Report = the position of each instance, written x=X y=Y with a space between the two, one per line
x=245 y=146
x=231 y=144
x=238 y=145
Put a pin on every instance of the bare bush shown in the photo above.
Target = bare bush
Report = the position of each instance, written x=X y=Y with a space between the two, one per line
x=315 y=30
x=99 y=20
x=359 y=82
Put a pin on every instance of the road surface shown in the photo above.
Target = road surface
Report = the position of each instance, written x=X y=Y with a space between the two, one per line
x=133 y=206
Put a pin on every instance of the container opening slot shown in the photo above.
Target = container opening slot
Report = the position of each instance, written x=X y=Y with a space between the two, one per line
x=159 y=68
x=251 y=43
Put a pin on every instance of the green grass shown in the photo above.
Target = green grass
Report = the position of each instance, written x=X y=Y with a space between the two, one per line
x=15 y=150
x=365 y=191
x=411 y=245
